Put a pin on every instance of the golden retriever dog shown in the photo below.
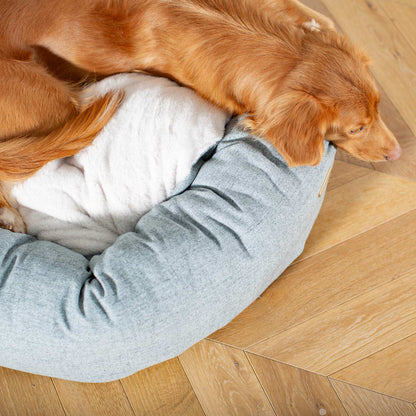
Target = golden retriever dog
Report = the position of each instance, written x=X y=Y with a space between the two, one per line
x=279 y=62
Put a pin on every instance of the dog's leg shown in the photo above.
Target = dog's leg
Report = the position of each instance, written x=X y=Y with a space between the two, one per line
x=207 y=45
x=10 y=219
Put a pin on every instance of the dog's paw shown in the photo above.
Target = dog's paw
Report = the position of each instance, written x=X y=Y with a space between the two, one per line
x=313 y=26
x=11 y=220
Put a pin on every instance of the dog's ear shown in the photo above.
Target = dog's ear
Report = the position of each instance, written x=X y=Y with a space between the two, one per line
x=296 y=125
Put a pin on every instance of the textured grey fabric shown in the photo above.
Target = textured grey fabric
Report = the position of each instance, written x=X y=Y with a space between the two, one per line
x=194 y=263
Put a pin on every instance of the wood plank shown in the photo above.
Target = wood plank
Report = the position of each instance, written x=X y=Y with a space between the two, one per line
x=318 y=6
x=350 y=332
x=295 y=392
x=394 y=61
x=357 y=207
x=162 y=390
x=405 y=167
x=358 y=401
x=343 y=173
x=403 y=17
x=224 y=381
x=391 y=371
x=343 y=156
x=325 y=281
x=410 y=3
x=93 y=399
x=23 y=394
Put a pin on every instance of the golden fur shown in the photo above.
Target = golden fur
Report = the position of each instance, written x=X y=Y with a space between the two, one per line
x=258 y=57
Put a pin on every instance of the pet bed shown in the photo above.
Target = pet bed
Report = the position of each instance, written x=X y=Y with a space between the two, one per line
x=208 y=219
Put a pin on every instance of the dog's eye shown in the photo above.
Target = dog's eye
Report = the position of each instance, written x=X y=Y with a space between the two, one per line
x=357 y=130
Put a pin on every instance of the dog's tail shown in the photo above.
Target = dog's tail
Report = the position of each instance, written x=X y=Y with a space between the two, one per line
x=21 y=157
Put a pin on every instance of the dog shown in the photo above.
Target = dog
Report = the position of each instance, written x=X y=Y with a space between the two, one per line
x=279 y=62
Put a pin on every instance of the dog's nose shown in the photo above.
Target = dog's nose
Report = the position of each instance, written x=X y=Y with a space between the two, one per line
x=394 y=154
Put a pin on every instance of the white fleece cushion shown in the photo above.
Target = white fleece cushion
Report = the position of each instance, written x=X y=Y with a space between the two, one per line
x=85 y=202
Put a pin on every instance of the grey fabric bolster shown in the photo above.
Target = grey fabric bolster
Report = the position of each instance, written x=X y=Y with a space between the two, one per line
x=193 y=263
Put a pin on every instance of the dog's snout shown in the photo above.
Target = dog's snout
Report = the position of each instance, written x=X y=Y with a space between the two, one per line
x=394 y=154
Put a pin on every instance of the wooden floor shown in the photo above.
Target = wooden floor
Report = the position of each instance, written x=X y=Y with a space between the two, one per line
x=336 y=333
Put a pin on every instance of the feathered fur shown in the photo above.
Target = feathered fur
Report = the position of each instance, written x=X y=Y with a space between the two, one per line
x=258 y=57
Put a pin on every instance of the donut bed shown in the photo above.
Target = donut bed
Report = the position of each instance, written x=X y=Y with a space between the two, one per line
x=164 y=230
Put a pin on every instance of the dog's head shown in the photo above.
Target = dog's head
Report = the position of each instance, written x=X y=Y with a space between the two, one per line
x=329 y=95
